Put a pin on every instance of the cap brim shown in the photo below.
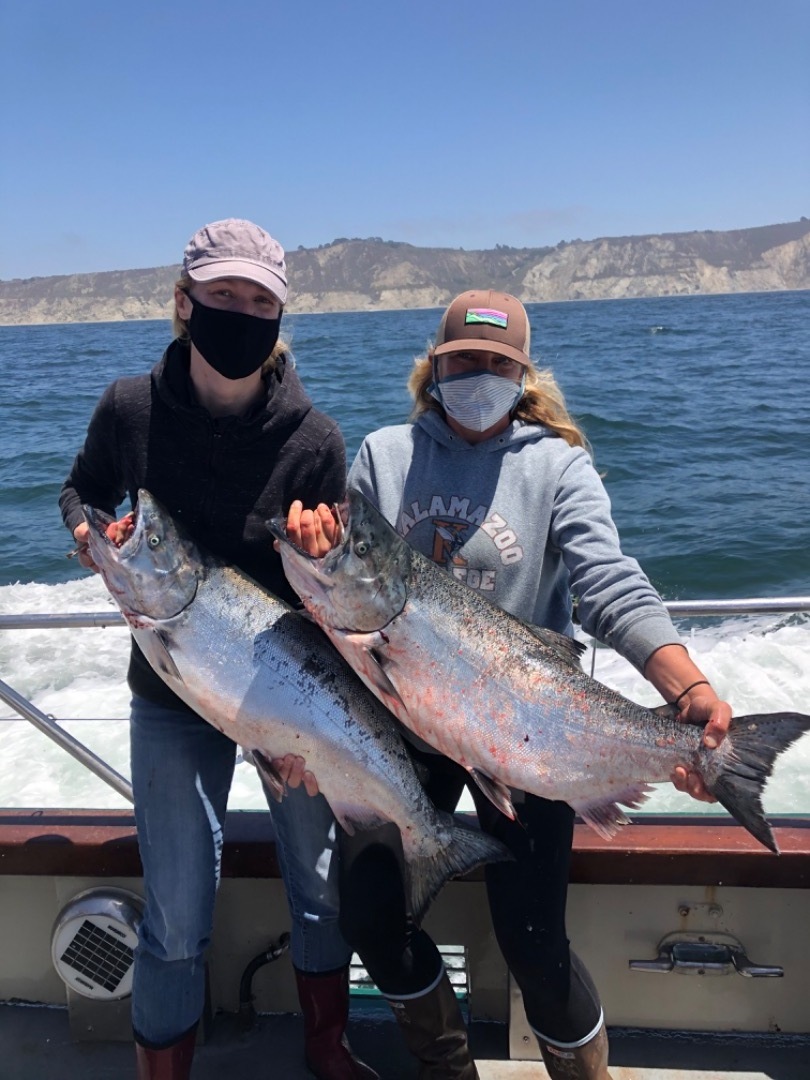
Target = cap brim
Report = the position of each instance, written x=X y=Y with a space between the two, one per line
x=239 y=268
x=482 y=345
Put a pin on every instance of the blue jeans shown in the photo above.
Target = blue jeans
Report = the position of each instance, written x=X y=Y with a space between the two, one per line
x=182 y=769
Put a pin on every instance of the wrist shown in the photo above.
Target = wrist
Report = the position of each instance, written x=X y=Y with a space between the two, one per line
x=682 y=700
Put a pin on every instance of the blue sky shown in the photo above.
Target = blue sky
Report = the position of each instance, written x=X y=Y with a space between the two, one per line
x=126 y=126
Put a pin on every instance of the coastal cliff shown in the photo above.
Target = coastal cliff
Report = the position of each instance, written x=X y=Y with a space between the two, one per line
x=373 y=274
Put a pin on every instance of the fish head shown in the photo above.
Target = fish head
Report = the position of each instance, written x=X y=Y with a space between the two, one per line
x=361 y=584
x=155 y=572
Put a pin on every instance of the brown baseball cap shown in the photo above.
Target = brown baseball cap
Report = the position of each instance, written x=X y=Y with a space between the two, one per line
x=240 y=249
x=487 y=321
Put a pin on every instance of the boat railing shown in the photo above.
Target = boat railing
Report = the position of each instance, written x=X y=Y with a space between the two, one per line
x=49 y=725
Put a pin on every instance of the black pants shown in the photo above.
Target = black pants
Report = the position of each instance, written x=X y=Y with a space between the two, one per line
x=527 y=901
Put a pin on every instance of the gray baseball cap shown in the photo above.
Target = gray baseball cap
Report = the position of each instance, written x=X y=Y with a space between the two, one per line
x=240 y=249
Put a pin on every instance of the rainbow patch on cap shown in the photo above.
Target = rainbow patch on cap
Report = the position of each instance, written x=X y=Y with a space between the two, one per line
x=488 y=316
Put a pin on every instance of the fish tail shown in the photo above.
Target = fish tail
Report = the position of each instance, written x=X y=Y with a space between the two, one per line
x=745 y=761
x=468 y=848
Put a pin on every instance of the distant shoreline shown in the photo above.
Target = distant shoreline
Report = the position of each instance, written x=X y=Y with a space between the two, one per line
x=432 y=307
x=375 y=275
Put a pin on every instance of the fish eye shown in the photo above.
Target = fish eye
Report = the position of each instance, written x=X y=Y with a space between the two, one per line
x=154 y=540
x=362 y=547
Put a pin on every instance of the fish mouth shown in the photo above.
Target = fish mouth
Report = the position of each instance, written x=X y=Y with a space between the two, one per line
x=99 y=522
x=341 y=515
x=278 y=527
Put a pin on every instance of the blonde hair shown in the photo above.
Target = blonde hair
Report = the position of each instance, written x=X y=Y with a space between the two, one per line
x=180 y=330
x=542 y=401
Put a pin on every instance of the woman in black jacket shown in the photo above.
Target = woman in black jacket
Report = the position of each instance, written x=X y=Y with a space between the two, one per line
x=223 y=434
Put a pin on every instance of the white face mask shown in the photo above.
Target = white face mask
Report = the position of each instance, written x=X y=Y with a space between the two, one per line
x=477 y=399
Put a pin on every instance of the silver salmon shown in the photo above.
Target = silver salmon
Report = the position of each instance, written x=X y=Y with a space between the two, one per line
x=269 y=679
x=508 y=701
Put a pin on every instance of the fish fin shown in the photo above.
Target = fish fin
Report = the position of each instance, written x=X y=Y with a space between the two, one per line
x=264 y=766
x=371 y=668
x=745 y=760
x=564 y=647
x=606 y=818
x=160 y=658
x=375 y=672
x=498 y=793
x=353 y=818
x=468 y=847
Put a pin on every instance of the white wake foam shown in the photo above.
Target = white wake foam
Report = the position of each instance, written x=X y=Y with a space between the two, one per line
x=759 y=664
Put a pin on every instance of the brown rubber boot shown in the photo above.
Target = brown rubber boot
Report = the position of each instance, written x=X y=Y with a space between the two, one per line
x=586 y=1062
x=434 y=1032
x=170 y=1062
x=325 y=1004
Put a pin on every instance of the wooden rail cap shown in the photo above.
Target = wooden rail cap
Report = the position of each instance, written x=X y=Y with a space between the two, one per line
x=700 y=850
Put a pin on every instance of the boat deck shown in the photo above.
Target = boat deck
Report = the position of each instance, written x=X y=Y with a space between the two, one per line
x=35 y=1044
x=676 y=874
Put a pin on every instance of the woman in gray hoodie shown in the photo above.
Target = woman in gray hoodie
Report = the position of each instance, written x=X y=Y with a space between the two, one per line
x=493 y=479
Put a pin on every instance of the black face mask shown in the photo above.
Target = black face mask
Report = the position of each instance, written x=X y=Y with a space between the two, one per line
x=234 y=344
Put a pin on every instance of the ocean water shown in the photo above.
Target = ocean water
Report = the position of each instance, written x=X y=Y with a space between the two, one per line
x=699 y=415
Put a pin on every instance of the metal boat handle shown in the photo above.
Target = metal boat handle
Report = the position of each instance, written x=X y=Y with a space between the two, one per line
x=704 y=954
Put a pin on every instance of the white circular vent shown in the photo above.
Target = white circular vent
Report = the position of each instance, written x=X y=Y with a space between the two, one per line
x=93 y=942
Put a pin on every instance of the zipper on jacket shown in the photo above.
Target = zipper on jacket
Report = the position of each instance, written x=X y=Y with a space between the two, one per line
x=209 y=501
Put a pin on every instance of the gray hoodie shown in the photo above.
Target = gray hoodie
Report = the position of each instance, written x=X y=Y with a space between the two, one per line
x=523 y=518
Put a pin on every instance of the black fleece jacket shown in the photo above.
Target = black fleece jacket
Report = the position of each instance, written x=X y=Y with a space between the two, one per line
x=222 y=478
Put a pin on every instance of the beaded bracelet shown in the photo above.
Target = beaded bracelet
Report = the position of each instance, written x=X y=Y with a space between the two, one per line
x=676 y=703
